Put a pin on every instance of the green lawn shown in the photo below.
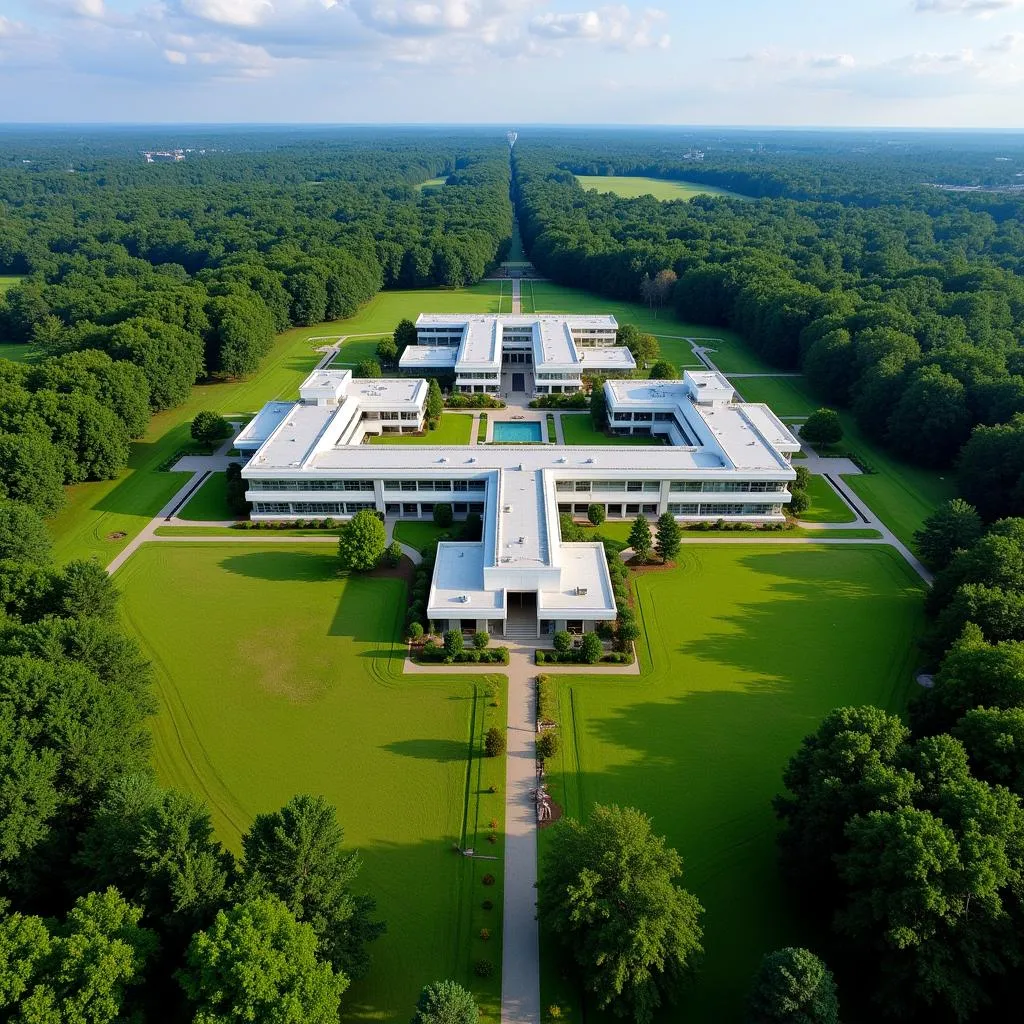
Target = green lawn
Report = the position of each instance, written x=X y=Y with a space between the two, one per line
x=252 y=535
x=9 y=281
x=578 y=428
x=15 y=351
x=323 y=708
x=431 y=183
x=618 y=530
x=826 y=505
x=785 y=396
x=731 y=354
x=96 y=512
x=660 y=188
x=210 y=501
x=746 y=650
x=455 y=428
x=421 y=534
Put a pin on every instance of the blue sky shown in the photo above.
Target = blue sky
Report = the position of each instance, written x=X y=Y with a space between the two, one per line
x=787 y=62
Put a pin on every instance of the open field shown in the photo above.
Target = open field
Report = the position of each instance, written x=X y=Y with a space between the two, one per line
x=15 y=351
x=210 y=501
x=903 y=496
x=431 y=183
x=95 y=512
x=455 y=428
x=660 y=188
x=579 y=429
x=746 y=650
x=290 y=683
x=787 y=396
x=826 y=505
x=9 y=281
x=546 y=297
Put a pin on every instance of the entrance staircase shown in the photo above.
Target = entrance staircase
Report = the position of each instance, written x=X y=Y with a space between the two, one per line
x=521 y=627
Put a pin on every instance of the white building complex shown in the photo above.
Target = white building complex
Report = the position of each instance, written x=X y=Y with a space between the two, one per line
x=721 y=459
x=489 y=354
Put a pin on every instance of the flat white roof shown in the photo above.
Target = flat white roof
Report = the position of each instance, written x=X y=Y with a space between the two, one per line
x=550 y=335
x=388 y=392
x=606 y=357
x=457 y=589
x=262 y=425
x=586 y=588
x=416 y=356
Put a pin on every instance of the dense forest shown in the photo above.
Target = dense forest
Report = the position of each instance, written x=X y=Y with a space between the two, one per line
x=898 y=299
x=143 y=278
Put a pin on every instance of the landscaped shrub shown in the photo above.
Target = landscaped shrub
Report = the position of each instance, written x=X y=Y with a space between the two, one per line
x=415 y=632
x=443 y=515
x=591 y=648
x=485 y=933
x=541 y=658
x=432 y=651
x=547 y=706
x=487 y=904
x=481 y=638
x=595 y=513
x=457 y=400
x=483 y=968
x=453 y=643
x=488 y=879
x=547 y=744
x=494 y=742
x=562 y=641
x=392 y=555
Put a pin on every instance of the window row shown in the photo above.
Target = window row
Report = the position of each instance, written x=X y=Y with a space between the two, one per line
x=310 y=508
x=310 y=485
x=435 y=485
x=723 y=509
x=413 y=510
x=729 y=486
x=629 y=486
x=613 y=511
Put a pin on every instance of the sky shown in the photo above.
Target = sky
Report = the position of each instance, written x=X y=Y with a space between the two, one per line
x=895 y=63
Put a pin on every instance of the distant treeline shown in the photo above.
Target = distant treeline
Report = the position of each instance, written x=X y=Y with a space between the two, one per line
x=901 y=301
x=188 y=270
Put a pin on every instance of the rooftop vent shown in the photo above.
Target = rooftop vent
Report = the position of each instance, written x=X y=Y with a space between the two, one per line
x=507 y=508
x=464 y=598
x=581 y=591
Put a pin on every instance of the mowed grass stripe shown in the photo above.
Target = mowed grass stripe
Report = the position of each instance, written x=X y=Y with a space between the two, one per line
x=746 y=650
x=277 y=676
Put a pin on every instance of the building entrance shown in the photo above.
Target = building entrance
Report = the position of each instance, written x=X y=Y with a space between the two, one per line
x=521 y=621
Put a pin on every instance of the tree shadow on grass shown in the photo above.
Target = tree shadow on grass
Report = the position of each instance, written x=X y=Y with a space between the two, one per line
x=286 y=565
x=430 y=750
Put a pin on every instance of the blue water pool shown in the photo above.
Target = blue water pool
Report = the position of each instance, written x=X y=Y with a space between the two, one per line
x=520 y=432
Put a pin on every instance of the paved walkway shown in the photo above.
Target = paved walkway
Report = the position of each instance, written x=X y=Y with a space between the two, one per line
x=517 y=301
x=520 y=960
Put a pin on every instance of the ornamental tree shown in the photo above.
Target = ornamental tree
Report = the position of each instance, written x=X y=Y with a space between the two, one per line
x=257 y=963
x=445 y=1002
x=669 y=537
x=609 y=895
x=362 y=542
x=822 y=427
x=640 y=539
x=793 y=986
x=209 y=427
x=405 y=335
x=435 y=403
x=591 y=648
x=595 y=513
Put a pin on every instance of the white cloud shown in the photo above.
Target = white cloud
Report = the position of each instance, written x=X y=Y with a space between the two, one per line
x=175 y=57
x=833 y=60
x=617 y=27
x=974 y=8
x=229 y=12
x=1010 y=43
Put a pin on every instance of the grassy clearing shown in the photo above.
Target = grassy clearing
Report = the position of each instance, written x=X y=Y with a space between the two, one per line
x=323 y=709
x=826 y=505
x=210 y=501
x=96 y=512
x=631 y=188
x=746 y=649
x=9 y=281
x=579 y=429
x=785 y=396
x=15 y=351
x=431 y=183
x=481 y=430
x=455 y=428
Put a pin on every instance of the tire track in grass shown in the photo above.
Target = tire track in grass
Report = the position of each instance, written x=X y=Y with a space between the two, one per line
x=185 y=732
